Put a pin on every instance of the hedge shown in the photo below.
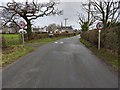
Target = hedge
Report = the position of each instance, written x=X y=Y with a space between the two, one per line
x=109 y=38
x=35 y=36
x=15 y=39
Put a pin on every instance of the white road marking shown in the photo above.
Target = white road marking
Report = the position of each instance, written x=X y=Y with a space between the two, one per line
x=56 y=42
x=61 y=42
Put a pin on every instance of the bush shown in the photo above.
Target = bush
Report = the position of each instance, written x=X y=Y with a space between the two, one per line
x=35 y=36
x=91 y=36
x=111 y=40
x=85 y=35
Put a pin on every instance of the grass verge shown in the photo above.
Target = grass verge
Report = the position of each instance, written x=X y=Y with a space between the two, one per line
x=11 y=39
x=10 y=54
x=109 y=58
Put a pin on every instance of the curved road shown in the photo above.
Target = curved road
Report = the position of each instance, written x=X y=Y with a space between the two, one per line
x=65 y=63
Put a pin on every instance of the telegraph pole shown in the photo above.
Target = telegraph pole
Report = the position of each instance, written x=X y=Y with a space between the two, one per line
x=61 y=24
x=65 y=21
x=89 y=10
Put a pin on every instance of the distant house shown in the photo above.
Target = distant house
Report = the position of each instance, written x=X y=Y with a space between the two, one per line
x=7 y=29
x=40 y=30
x=67 y=29
x=34 y=29
x=43 y=30
x=57 y=31
x=62 y=29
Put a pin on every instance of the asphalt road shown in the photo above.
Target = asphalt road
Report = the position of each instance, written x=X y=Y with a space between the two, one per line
x=65 y=63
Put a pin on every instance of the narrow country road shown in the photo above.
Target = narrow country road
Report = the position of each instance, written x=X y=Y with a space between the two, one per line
x=65 y=63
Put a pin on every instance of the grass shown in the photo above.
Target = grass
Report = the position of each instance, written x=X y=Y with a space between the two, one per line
x=11 y=39
x=109 y=58
x=45 y=40
x=0 y=57
x=10 y=35
x=12 y=53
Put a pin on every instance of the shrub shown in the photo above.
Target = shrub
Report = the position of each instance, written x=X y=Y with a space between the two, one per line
x=111 y=40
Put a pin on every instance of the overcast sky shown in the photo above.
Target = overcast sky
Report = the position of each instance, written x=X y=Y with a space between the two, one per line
x=69 y=8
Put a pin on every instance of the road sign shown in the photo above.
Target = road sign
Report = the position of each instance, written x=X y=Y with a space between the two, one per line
x=22 y=31
x=99 y=25
x=21 y=24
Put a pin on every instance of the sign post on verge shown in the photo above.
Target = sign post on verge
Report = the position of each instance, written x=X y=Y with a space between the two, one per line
x=99 y=27
x=22 y=31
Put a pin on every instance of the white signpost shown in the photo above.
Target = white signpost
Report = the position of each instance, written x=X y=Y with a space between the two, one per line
x=22 y=31
x=99 y=27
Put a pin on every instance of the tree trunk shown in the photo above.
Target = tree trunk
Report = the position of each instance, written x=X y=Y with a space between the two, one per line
x=29 y=30
x=105 y=25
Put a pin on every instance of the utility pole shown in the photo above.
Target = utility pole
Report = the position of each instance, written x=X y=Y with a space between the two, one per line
x=61 y=24
x=89 y=10
x=65 y=21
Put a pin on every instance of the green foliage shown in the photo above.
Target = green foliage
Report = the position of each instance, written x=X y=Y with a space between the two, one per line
x=10 y=54
x=85 y=26
x=10 y=39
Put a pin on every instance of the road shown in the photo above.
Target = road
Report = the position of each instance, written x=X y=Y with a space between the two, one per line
x=65 y=63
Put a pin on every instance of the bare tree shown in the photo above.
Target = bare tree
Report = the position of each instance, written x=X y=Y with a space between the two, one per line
x=6 y=16
x=52 y=27
x=86 y=21
x=82 y=19
x=29 y=11
x=87 y=8
x=106 y=11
